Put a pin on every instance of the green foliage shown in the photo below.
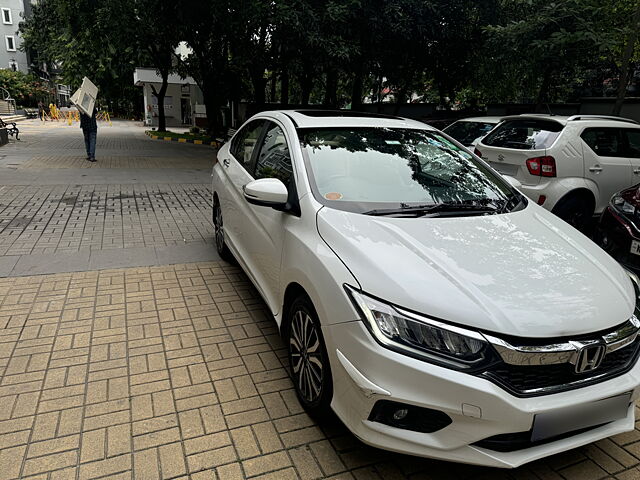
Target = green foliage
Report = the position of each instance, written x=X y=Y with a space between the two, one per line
x=338 y=52
x=25 y=89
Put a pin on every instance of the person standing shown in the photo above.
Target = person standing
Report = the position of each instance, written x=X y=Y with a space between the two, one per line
x=89 y=128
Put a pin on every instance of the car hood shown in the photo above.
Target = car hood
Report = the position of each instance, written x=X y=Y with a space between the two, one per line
x=525 y=273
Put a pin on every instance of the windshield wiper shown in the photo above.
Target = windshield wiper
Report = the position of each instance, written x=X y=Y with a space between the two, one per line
x=432 y=208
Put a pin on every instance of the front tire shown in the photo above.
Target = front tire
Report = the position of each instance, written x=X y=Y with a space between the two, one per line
x=219 y=235
x=576 y=210
x=310 y=370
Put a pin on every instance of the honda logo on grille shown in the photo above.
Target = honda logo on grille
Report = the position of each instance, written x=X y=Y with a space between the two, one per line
x=590 y=357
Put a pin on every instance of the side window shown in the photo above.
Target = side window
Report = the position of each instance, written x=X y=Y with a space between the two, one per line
x=245 y=141
x=274 y=160
x=605 y=142
x=633 y=142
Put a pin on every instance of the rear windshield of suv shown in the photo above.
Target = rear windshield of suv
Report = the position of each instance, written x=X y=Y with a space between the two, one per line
x=525 y=134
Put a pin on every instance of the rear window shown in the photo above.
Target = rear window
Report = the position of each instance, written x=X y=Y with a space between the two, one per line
x=468 y=132
x=524 y=134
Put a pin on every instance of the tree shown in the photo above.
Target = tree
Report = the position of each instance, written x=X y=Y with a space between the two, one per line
x=87 y=38
x=206 y=28
x=157 y=37
x=631 y=33
x=25 y=89
x=537 y=42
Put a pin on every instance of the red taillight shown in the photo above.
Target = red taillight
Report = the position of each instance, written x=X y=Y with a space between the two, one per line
x=477 y=152
x=542 y=199
x=542 y=166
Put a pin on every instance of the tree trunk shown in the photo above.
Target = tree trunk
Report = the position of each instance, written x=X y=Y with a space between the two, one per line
x=212 y=103
x=544 y=88
x=356 y=89
x=259 y=84
x=401 y=97
x=306 y=85
x=284 y=86
x=273 y=87
x=626 y=60
x=331 y=87
x=162 y=121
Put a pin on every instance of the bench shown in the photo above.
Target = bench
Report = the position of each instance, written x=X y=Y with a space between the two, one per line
x=11 y=128
x=31 y=112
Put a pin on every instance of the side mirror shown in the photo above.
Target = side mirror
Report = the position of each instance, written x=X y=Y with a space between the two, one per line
x=514 y=182
x=266 y=192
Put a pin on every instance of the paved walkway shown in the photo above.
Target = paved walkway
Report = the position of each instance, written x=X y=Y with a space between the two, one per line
x=129 y=350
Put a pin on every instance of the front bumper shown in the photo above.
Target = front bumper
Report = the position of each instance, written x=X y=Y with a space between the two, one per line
x=364 y=372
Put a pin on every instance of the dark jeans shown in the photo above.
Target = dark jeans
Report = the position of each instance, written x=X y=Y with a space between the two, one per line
x=90 y=142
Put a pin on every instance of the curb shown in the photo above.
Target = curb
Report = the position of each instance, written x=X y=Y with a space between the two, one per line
x=183 y=140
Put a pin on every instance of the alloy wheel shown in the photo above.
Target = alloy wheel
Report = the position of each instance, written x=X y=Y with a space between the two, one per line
x=306 y=357
x=218 y=227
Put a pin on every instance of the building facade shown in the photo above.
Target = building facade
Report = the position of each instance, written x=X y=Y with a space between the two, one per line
x=12 y=12
x=183 y=102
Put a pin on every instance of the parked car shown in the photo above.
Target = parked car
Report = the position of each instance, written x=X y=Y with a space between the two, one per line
x=569 y=165
x=468 y=131
x=619 y=228
x=421 y=297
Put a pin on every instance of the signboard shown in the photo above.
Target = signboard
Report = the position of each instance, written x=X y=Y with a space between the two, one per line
x=85 y=97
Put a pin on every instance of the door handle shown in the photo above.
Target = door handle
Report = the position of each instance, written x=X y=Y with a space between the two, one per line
x=596 y=169
x=226 y=162
x=636 y=171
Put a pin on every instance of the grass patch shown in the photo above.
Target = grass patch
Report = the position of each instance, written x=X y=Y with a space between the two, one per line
x=187 y=135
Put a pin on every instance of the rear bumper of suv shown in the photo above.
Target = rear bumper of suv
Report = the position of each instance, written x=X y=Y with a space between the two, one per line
x=546 y=193
x=366 y=375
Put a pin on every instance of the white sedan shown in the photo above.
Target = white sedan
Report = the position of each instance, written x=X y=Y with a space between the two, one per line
x=422 y=298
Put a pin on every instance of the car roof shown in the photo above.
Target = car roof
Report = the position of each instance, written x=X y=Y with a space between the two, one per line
x=486 y=119
x=345 y=118
x=564 y=119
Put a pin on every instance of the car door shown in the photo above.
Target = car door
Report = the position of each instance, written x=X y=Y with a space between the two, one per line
x=233 y=173
x=261 y=229
x=605 y=162
x=632 y=140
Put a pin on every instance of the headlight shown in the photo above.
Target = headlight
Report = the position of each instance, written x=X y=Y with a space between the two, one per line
x=423 y=337
x=622 y=205
x=636 y=286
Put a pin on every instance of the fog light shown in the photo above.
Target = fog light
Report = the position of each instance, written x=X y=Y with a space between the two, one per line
x=542 y=199
x=408 y=417
x=400 y=414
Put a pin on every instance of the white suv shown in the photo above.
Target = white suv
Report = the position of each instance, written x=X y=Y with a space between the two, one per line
x=569 y=165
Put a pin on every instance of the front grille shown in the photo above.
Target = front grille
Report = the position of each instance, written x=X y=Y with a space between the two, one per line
x=529 y=381
x=512 y=442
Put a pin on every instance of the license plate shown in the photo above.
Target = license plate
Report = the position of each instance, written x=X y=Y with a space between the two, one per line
x=547 y=425
x=635 y=247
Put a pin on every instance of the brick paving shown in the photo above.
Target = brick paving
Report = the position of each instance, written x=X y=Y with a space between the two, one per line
x=62 y=218
x=172 y=371
x=164 y=372
x=106 y=161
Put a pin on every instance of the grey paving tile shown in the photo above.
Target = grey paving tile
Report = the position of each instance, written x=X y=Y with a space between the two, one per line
x=44 y=263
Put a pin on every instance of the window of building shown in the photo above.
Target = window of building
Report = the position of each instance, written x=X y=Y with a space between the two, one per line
x=6 y=16
x=11 y=43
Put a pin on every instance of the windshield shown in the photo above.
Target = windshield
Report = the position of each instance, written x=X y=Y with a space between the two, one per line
x=524 y=134
x=359 y=169
x=468 y=132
